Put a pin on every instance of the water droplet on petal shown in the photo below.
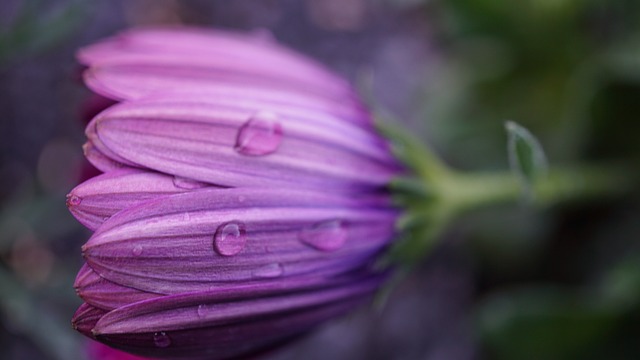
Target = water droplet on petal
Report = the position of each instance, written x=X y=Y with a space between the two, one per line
x=269 y=271
x=161 y=339
x=261 y=135
x=186 y=216
x=202 y=310
x=187 y=184
x=137 y=250
x=230 y=238
x=73 y=200
x=326 y=236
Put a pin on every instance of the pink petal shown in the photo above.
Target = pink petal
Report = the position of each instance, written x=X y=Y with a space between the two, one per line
x=104 y=294
x=168 y=245
x=97 y=199
x=197 y=55
x=198 y=141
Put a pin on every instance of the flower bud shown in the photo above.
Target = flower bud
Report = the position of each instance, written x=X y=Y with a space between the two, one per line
x=244 y=197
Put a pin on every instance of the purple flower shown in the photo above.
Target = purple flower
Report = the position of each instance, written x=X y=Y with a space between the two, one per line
x=243 y=199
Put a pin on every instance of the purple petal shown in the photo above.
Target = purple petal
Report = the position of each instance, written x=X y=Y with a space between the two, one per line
x=86 y=318
x=210 y=308
x=199 y=141
x=241 y=340
x=168 y=246
x=134 y=80
x=97 y=199
x=210 y=107
x=98 y=351
x=169 y=58
x=98 y=159
x=104 y=294
x=348 y=109
x=97 y=146
x=206 y=325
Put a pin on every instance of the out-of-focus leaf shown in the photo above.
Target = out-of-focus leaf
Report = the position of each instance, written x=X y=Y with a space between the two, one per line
x=623 y=60
x=409 y=191
x=411 y=151
x=526 y=156
x=32 y=319
x=544 y=323
x=508 y=241
x=621 y=287
x=31 y=33
x=46 y=216
x=420 y=230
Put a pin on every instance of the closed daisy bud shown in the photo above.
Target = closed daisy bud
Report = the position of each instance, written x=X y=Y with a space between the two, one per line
x=243 y=202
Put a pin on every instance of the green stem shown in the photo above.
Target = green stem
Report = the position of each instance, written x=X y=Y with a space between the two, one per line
x=437 y=194
x=583 y=183
x=454 y=193
x=462 y=191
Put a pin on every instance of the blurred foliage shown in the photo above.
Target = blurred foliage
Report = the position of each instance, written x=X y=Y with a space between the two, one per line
x=538 y=62
x=33 y=29
x=542 y=323
x=37 y=271
x=36 y=267
x=557 y=323
x=37 y=319
x=567 y=70
x=526 y=157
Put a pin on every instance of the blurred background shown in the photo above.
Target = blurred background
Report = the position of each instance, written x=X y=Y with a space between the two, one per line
x=512 y=282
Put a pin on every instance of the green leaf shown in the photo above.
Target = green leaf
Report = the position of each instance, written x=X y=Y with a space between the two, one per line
x=410 y=150
x=30 y=32
x=31 y=317
x=526 y=156
x=621 y=285
x=622 y=59
x=544 y=323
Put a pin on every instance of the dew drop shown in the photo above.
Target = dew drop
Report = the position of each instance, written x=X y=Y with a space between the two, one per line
x=73 y=200
x=268 y=271
x=161 y=339
x=187 y=184
x=202 y=310
x=326 y=236
x=137 y=250
x=261 y=135
x=230 y=238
